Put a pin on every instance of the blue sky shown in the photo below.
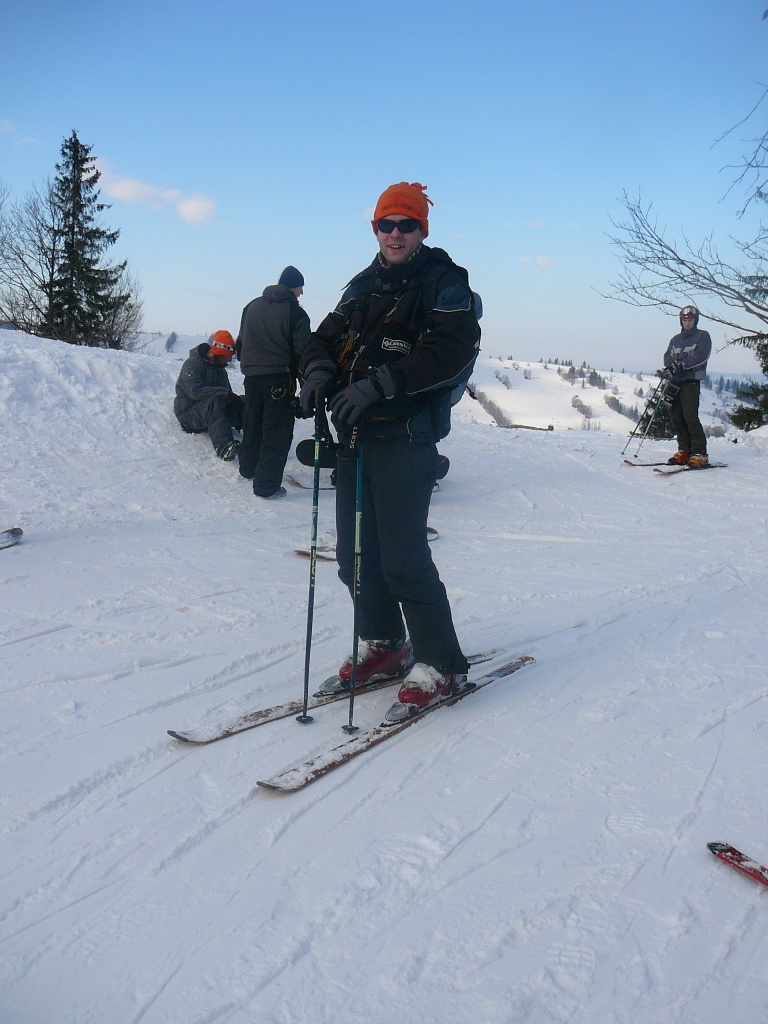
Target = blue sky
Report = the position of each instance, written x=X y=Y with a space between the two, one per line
x=238 y=137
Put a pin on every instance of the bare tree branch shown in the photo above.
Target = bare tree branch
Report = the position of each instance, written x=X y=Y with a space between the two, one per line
x=666 y=275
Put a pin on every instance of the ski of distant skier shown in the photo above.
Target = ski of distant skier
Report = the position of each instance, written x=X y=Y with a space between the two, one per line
x=730 y=855
x=261 y=716
x=300 y=774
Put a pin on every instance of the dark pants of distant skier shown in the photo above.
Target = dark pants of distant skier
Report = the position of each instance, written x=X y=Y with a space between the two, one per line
x=397 y=570
x=218 y=416
x=684 y=414
x=268 y=424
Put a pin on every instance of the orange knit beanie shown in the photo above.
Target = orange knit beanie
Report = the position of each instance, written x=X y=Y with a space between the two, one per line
x=223 y=344
x=409 y=200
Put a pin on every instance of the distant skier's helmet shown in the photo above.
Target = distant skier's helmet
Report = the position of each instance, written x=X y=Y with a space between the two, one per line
x=689 y=311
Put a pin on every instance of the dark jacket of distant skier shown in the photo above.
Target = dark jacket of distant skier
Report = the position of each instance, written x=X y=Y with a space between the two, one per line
x=418 y=319
x=691 y=348
x=199 y=380
x=274 y=331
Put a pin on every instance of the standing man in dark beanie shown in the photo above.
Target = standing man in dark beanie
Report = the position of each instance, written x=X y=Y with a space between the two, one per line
x=685 y=366
x=273 y=333
x=204 y=397
x=403 y=336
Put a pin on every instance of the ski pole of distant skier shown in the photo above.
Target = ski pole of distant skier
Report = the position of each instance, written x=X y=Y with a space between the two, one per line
x=651 y=406
x=355 y=444
x=321 y=430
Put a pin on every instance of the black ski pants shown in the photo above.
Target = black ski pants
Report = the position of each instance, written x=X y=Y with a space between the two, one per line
x=268 y=423
x=217 y=415
x=398 y=578
x=684 y=414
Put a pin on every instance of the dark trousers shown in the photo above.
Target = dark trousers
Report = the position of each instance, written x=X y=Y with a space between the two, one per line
x=216 y=415
x=397 y=571
x=268 y=423
x=684 y=414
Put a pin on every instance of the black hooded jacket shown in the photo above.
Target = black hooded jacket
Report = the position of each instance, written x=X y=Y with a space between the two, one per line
x=274 y=330
x=200 y=379
x=419 y=320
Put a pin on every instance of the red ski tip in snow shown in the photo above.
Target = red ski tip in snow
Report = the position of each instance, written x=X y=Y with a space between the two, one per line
x=730 y=855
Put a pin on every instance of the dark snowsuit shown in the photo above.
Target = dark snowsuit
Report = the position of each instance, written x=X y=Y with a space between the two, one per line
x=692 y=349
x=205 y=400
x=419 y=320
x=273 y=333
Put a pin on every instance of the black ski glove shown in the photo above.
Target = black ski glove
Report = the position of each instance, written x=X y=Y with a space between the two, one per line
x=349 y=405
x=320 y=374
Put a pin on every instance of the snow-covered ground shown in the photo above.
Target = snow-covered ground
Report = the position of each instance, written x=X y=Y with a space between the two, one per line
x=535 y=854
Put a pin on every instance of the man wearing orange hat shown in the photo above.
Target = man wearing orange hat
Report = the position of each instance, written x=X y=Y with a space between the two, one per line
x=390 y=356
x=204 y=397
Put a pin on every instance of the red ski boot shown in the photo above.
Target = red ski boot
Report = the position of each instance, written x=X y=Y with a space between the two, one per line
x=378 y=659
x=424 y=685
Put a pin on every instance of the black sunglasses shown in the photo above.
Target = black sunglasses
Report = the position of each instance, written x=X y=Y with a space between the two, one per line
x=405 y=227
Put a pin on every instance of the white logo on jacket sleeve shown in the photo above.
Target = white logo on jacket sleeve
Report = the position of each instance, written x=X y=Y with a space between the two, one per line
x=396 y=345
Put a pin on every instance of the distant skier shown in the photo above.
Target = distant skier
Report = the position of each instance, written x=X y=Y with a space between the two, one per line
x=685 y=366
x=403 y=336
x=204 y=397
x=274 y=331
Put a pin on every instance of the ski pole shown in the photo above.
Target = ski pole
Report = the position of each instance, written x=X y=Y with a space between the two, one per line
x=350 y=727
x=653 y=403
x=321 y=430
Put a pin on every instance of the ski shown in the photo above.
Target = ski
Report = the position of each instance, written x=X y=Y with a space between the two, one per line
x=690 y=469
x=324 y=554
x=307 y=487
x=628 y=462
x=11 y=536
x=729 y=855
x=251 y=719
x=328 y=552
x=300 y=774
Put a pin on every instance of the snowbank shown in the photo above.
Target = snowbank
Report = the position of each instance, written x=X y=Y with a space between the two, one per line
x=535 y=854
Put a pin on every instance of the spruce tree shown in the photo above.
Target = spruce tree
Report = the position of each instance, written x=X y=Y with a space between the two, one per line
x=748 y=417
x=87 y=295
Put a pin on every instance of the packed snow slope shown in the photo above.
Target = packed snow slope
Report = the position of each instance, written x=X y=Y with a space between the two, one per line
x=535 y=854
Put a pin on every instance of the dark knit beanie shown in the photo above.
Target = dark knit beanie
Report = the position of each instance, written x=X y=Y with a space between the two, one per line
x=291 y=278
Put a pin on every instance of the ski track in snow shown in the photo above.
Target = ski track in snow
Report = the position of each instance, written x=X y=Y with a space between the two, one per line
x=534 y=855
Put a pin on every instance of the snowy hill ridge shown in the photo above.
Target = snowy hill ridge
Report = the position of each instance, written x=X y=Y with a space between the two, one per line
x=540 y=395
x=535 y=854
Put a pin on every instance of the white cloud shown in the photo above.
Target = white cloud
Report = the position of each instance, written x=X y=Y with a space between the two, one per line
x=535 y=224
x=542 y=262
x=194 y=209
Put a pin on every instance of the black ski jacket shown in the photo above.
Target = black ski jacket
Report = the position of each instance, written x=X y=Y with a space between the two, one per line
x=419 y=320
x=274 y=330
x=200 y=379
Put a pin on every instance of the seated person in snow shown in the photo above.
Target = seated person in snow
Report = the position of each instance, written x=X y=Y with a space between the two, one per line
x=204 y=397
